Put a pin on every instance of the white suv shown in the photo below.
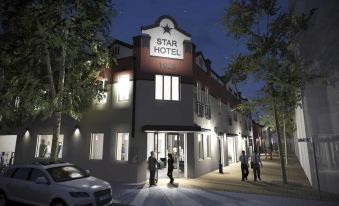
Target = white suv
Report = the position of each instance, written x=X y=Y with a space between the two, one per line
x=55 y=184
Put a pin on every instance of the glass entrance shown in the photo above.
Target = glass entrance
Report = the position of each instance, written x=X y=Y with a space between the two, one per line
x=231 y=149
x=162 y=144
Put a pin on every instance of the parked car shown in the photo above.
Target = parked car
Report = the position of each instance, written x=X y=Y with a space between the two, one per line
x=54 y=184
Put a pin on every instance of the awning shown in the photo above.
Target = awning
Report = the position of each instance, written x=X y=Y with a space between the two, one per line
x=173 y=128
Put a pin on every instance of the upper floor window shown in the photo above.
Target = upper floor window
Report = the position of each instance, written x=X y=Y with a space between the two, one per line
x=235 y=116
x=123 y=87
x=201 y=146
x=167 y=87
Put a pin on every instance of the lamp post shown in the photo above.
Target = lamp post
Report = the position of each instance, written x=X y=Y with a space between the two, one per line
x=220 y=165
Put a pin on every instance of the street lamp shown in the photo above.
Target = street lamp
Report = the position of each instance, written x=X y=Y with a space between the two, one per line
x=220 y=165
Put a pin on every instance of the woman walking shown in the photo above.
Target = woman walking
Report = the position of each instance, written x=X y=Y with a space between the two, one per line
x=170 y=167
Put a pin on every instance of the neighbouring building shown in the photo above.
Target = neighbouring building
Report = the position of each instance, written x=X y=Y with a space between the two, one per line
x=162 y=96
x=317 y=132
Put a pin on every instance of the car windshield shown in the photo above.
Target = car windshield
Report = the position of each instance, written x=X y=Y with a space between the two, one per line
x=66 y=173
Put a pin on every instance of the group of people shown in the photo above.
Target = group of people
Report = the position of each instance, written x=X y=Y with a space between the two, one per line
x=152 y=166
x=255 y=165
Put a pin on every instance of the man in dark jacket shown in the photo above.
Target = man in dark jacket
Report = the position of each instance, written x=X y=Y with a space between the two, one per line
x=170 y=167
x=152 y=164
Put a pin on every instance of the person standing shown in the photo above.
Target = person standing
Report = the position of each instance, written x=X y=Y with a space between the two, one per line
x=152 y=164
x=2 y=160
x=170 y=167
x=244 y=166
x=256 y=162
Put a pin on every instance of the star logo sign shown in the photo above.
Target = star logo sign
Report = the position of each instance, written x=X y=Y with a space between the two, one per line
x=167 y=29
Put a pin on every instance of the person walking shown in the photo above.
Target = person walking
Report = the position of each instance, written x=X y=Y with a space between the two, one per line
x=244 y=166
x=255 y=164
x=152 y=164
x=170 y=167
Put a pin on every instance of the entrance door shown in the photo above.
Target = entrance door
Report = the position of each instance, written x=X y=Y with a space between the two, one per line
x=231 y=149
x=162 y=144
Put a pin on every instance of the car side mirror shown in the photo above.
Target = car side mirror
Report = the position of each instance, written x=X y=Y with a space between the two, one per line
x=41 y=180
x=87 y=172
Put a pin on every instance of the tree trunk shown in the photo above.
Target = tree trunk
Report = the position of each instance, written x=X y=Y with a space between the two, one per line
x=285 y=140
x=56 y=134
x=282 y=162
x=57 y=123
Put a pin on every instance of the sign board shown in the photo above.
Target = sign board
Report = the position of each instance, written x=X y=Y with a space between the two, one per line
x=166 y=40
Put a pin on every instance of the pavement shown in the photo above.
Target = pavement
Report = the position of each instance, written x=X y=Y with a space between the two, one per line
x=228 y=189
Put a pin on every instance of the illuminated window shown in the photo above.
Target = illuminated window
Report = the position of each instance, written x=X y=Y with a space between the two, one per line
x=44 y=146
x=122 y=146
x=201 y=146
x=123 y=87
x=97 y=146
x=167 y=87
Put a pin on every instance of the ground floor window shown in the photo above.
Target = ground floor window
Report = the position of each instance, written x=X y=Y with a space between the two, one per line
x=208 y=141
x=44 y=146
x=97 y=146
x=201 y=146
x=122 y=146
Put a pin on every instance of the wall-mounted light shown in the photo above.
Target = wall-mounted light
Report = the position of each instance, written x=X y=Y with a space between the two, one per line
x=26 y=135
x=77 y=130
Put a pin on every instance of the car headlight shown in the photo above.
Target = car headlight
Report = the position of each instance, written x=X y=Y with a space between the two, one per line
x=79 y=194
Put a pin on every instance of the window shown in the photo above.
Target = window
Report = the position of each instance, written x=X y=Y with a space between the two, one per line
x=123 y=87
x=9 y=172
x=208 y=145
x=229 y=119
x=97 y=145
x=36 y=173
x=235 y=116
x=122 y=146
x=22 y=173
x=44 y=146
x=167 y=87
x=201 y=146
x=219 y=105
x=207 y=104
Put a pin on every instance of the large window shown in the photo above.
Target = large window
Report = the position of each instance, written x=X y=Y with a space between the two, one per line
x=97 y=146
x=167 y=87
x=44 y=146
x=201 y=146
x=123 y=87
x=208 y=141
x=122 y=146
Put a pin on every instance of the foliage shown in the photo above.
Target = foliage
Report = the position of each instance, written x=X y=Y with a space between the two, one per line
x=270 y=34
x=51 y=52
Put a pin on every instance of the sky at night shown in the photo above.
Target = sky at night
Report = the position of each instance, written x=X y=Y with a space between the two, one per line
x=199 y=18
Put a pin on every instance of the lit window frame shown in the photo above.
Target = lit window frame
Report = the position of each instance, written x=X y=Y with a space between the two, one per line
x=117 y=147
x=160 y=94
x=123 y=90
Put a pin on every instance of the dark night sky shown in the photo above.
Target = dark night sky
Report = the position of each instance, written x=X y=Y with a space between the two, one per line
x=198 y=17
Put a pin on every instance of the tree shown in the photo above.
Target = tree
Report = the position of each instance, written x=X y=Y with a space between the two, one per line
x=269 y=33
x=51 y=52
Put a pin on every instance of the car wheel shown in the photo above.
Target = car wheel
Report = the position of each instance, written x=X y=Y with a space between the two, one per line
x=58 y=203
x=3 y=199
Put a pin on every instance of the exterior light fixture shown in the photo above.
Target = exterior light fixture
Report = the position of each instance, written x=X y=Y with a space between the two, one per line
x=26 y=135
x=77 y=131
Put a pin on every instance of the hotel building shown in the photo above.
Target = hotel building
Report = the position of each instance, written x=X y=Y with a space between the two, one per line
x=162 y=96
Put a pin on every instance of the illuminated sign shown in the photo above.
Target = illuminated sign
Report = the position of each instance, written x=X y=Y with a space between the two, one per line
x=166 y=40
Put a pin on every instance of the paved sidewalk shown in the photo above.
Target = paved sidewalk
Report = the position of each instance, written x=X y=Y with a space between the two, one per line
x=271 y=183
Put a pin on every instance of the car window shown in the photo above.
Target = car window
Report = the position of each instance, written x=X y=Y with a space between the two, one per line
x=66 y=173
x=9 y=172
x=36 y=173
x=22 y=173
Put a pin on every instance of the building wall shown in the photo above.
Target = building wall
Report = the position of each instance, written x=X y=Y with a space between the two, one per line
x=318 y=119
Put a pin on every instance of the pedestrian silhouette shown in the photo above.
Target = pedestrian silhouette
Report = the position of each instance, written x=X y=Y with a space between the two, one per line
x=152 y=163
x=170 y=167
